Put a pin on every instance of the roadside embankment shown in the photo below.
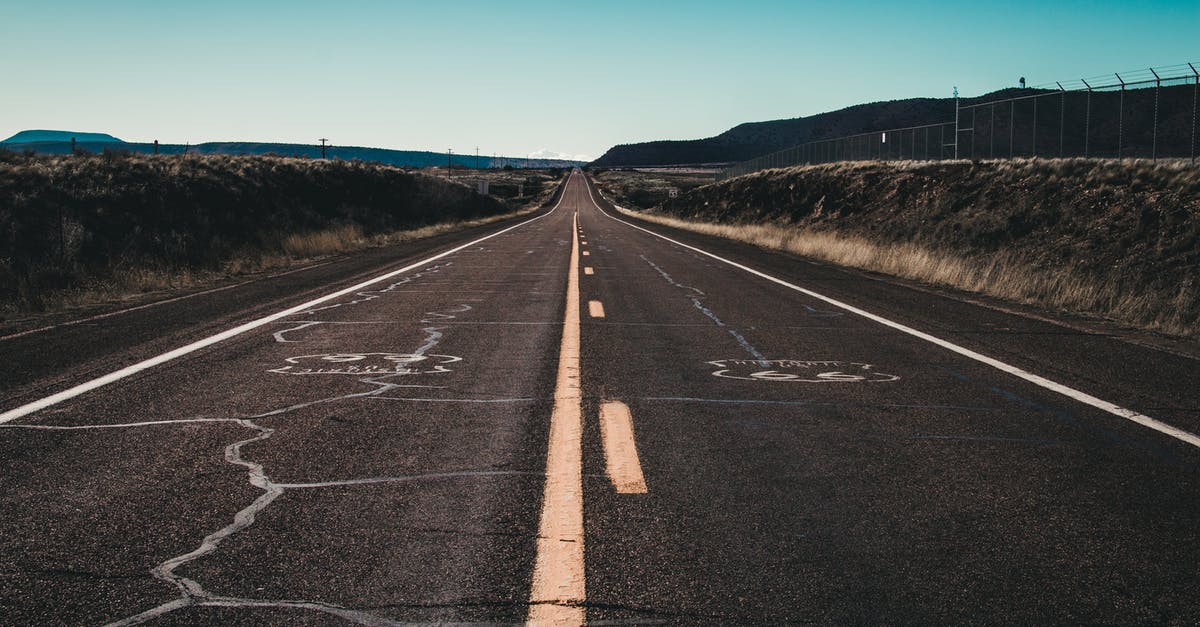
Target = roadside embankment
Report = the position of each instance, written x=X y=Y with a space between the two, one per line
x=1118 y=240
x=80 y=229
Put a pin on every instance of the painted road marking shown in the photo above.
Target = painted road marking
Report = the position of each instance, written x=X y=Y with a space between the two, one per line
x=589 y=270
x=620 y=448
x=799 y=371
x=586 y=253
x=1083 y=397
x=558 y=591
x=595 y=309
x=54 y=399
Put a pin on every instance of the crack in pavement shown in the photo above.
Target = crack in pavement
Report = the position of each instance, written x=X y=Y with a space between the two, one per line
x=369 y=295
x=192 y=593
x=697 y=301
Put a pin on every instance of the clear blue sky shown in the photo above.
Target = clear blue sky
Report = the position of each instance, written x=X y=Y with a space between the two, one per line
x=516 y=77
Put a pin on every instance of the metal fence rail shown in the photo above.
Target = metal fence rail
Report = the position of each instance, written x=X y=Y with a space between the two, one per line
x=1148 y=113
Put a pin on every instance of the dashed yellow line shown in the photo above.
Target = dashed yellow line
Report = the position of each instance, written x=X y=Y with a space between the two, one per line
x=595 y=309
x=620 y=448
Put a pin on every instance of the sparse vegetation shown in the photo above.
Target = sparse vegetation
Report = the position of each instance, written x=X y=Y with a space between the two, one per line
x=1119 y=240
x=645 y=189
x=78 y=229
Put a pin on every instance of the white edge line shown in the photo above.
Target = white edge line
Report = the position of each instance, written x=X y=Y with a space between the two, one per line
x=1083 y=397
x=54 y=399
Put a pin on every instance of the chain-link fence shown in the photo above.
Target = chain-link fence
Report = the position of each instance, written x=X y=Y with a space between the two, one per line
x=1148 y=114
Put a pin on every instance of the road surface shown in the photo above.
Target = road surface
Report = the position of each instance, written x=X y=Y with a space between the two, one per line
x=584 y=417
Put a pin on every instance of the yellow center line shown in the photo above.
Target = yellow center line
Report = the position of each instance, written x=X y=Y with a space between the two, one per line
x=595 y=309
x=620 y=448
x=558 y=575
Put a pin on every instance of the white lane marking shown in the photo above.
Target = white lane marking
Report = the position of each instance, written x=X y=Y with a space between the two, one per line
x=54 y=399
x=156 y=303
x=589 y=270
x=586 y=253
x=558 y=589
x=1083 y=397
x=620 y=448
x=595 y=309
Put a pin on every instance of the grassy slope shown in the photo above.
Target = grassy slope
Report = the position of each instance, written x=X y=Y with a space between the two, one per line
x=1118 y=240
x=112 y=223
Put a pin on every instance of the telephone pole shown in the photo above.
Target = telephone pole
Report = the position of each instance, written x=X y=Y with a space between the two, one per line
x=449 y=161
x=324 y=146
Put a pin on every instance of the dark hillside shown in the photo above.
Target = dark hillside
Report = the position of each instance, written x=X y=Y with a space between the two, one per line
x=1099 y=127
x=68 y=221
x=1121 y=239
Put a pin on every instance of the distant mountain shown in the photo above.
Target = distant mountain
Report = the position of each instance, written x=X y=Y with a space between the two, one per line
x=25 y=137
x=402 y=158
x=753 y=139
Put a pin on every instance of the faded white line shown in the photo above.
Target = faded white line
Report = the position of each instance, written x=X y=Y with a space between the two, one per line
x=54 y=399
x=595 y=309
x=1078 y=395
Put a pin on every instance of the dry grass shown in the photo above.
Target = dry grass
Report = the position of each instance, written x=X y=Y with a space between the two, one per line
x=1001 y=275
x=295 y=250
x=1114 y=239
x=77 y=230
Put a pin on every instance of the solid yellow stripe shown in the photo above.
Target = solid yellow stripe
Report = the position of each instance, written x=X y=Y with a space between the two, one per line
x=558 y=576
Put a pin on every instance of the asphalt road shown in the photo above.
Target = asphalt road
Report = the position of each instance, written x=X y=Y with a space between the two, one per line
x=577 y=419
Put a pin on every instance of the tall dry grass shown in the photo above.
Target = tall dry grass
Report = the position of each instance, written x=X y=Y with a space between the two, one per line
x=1012 y=275
x=79 y=230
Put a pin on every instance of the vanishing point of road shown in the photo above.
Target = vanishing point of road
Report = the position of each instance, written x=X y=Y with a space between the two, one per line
x=577 y=416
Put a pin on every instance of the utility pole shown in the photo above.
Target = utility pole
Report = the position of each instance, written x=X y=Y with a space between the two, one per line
x=324 y=145
x=449 y=162
x=477 y=157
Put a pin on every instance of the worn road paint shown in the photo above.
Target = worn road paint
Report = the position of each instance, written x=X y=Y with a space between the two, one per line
x=558 y=589
x=620 y=448
x=799 y=371
x=112 y=377
x=1040 y=381
x=595 y=309
x=589 y=270
x=586 y=254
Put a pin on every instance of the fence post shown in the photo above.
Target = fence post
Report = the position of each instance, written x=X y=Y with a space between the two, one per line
x=1195 y=92
x=1035 y=99
x=1012 y=114
x=992 y=133
x=956 y=122
x=1062 y=118
x=1120 y=117
x=973 y=118
x=927 y=143
x=1154 y=133
x=1087 y=121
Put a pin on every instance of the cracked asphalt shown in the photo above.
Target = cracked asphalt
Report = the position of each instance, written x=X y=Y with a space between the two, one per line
x=380 y=457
